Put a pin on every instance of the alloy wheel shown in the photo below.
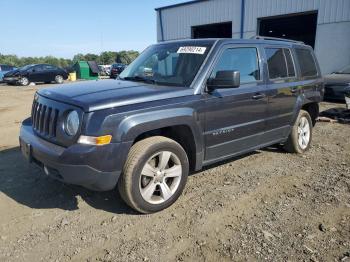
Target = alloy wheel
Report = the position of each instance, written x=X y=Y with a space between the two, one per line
x=303 y=132
x=160 y=177
x=24 y=81
x=59 y=79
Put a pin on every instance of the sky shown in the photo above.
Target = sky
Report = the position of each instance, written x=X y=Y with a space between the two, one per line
x=67 y=27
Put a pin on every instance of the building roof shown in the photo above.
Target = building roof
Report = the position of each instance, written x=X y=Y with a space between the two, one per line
x=180 y=4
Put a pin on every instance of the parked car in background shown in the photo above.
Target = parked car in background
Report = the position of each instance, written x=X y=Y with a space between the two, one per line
x=337 y=84
x=116 y=69
x=36 y=73
x=4 y=69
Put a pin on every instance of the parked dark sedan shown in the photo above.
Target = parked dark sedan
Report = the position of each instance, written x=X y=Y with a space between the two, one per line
x=116 y=69
x=36 y=73
x=337 y=85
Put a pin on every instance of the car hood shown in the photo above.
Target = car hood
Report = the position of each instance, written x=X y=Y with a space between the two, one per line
x=103 y=94
x=12 y=73
x=342 y=79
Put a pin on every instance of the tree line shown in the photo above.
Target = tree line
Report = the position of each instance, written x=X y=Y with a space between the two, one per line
x=106 y=58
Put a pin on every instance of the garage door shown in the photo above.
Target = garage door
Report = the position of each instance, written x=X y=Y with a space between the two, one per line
x=297 y=26
x=220 y=30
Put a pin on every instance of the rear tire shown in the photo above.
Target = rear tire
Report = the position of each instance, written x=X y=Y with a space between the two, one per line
x=300 y=138
x=154 y=174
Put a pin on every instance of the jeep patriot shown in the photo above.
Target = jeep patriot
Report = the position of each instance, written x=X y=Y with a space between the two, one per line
x=179 y=106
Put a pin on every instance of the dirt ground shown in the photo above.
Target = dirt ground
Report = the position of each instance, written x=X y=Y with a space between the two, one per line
x=267 y=205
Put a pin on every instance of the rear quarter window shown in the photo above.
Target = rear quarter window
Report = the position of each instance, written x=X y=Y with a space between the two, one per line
x=306 y=62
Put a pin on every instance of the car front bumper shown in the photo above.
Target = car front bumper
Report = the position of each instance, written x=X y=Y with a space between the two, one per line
x=10 y=80
x=78 y=164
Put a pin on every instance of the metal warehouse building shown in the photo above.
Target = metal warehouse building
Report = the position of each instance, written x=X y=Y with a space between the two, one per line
x=323 y=24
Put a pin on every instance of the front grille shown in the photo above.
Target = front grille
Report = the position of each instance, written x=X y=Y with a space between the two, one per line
x=44 y=119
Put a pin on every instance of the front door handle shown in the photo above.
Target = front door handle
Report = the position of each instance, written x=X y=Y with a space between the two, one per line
x=258 y=96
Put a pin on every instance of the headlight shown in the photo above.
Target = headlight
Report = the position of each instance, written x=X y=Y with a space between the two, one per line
x=71 y=124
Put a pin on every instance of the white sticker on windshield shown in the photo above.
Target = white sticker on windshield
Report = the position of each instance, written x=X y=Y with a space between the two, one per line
x=191 y=50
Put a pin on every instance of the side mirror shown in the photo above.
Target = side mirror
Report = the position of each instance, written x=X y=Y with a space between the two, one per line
x=224 y=79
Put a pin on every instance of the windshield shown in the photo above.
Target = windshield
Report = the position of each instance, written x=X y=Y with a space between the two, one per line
x=26 y=67
x=174 y=64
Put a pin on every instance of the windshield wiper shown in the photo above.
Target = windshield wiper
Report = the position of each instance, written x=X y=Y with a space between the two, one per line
x=139 y=79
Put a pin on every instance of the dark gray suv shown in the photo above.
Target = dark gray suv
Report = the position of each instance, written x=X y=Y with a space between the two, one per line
x=179 y=106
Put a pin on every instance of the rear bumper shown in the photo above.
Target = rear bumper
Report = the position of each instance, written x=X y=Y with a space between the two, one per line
x=78 y=164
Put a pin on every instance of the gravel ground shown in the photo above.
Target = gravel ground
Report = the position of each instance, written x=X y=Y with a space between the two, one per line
x=266 y=205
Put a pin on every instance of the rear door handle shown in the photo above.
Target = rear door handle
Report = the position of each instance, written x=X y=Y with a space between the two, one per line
x=258 y=96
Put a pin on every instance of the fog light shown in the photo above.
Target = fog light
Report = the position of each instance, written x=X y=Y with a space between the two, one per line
x=95 y=140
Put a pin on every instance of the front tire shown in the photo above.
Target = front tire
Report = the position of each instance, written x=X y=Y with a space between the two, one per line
x=59 y=79
x=24 y=81
x=300 y=138
x=154 y=175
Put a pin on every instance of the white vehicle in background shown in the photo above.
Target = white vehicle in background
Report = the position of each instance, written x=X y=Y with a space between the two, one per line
x=105 y=69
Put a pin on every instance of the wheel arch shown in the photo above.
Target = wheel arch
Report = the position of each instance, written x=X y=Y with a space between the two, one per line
x=311 y=105
x=177 y=124
x=313 y=109
x=182 y=134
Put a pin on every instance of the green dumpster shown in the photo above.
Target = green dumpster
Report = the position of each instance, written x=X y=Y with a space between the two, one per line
x=84 y=71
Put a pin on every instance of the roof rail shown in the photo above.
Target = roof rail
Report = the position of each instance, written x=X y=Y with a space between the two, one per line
x=276 y=39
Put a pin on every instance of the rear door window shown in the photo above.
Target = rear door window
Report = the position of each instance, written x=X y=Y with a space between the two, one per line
x=49 y=67
x=306 y=62
x=244 y=60
x=280 y=63
x=289 y=61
